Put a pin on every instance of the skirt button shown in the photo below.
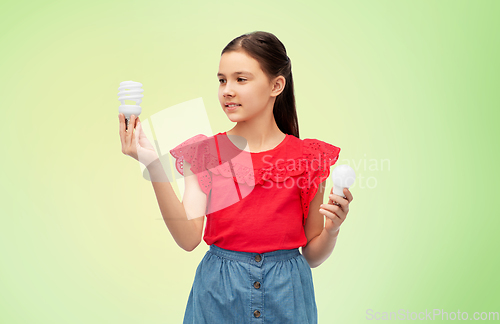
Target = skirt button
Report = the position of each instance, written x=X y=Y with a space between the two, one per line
x=256 y=313
x=258 y=258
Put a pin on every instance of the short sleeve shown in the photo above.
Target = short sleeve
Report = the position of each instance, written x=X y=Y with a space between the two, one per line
x=320 y=157
x=194 y=151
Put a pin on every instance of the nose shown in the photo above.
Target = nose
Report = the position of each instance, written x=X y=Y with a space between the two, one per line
x=227 y=91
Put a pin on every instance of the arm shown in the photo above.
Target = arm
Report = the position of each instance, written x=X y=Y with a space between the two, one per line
x=320 y=243
x=186 y=232
x=319 y=248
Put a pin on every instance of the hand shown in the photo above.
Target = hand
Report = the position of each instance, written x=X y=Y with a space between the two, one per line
x=336 y=211
x=138 y=146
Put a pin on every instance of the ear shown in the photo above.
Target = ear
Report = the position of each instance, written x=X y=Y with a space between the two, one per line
x=278 y=85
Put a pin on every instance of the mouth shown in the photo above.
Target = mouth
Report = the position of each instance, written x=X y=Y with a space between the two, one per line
x=232 y=106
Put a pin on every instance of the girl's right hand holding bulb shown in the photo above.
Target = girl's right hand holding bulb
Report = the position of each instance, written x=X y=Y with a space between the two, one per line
x=134 y=141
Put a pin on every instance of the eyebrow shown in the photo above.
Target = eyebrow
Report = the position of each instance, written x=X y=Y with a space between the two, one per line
x=236 y=73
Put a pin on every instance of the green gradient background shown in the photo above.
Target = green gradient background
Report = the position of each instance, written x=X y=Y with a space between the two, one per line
x=410 y=82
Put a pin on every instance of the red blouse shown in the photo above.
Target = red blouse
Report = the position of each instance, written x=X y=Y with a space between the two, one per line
x=257 y=202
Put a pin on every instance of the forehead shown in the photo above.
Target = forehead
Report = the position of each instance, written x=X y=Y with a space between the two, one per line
x=231 y=62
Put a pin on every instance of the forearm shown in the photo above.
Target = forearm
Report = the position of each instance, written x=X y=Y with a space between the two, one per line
x=183 y=230
x=319 y=248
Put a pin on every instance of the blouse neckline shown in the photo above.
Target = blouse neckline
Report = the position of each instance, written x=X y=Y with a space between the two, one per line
x=283 y=142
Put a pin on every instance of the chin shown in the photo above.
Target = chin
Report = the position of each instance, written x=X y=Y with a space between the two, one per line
x=235 y=119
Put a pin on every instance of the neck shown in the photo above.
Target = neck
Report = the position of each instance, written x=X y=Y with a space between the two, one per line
x=261 y=133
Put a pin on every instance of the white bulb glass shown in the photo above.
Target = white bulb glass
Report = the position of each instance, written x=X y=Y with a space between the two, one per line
x=343 y=176
x=130 y=90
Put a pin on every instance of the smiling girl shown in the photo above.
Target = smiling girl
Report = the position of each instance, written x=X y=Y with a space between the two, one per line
x=258 y=213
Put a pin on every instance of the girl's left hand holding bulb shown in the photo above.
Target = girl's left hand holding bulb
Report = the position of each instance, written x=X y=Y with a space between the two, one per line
x=336 y=211
x=134 y=141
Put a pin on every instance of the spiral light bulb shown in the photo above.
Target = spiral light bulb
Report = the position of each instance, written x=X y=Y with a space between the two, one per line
x=343 y=176
x=130 y=90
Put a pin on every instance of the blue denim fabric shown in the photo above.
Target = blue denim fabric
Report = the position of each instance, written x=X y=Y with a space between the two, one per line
x=225 y=290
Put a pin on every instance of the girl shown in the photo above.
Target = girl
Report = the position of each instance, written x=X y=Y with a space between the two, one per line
x=259 y=209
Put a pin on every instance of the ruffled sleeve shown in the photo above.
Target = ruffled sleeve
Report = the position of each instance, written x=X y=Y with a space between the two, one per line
x=194 y=151
x=320 y=156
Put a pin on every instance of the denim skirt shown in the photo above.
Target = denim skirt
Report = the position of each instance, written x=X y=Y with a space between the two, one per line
x=233 y=287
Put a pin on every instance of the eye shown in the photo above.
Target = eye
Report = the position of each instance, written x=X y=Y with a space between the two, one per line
x=242 y=79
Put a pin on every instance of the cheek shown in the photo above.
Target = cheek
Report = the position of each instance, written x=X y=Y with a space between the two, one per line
x=263 y=90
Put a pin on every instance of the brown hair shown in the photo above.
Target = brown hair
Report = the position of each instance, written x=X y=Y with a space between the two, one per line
x=270 y=52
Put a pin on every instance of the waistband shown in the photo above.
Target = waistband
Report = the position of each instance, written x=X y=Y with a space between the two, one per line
x=254 y=258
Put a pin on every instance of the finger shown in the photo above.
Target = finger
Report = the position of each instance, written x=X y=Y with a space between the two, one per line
x=348 y=195
x=137 y=145
x=136 y=119
x=140 y=132
x=339 y=201
x=333 y=210
x=333 y=216
x=121 y=118
x=130 y=129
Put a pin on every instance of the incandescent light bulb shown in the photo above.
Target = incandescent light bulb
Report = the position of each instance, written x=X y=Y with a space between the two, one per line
x=343 y=176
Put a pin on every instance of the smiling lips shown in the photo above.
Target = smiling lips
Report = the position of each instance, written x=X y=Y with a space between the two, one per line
x=232 y=105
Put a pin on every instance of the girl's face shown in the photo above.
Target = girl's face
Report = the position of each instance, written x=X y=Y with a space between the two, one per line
x=242 y=81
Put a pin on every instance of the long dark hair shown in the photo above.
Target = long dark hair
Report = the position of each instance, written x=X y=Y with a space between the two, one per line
x=270 y=52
